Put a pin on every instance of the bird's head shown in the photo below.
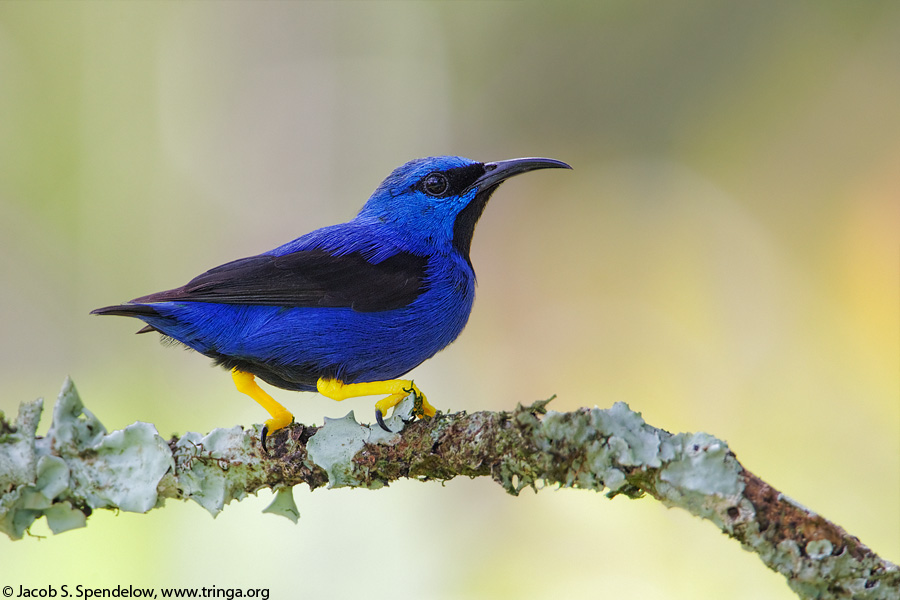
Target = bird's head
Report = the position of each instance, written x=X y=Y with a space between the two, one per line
x=434 y=203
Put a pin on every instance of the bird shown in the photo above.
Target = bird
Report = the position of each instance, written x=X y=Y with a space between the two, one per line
x=347 y=309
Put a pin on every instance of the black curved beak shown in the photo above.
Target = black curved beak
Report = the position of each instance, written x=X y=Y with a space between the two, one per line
x=501 y=170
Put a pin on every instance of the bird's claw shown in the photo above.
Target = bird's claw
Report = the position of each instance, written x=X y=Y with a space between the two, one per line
x=263 y=436
x=274 y=425
x=421 y=406
x=380 y=418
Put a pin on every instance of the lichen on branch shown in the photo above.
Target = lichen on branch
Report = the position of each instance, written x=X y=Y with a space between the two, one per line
x=79 y=467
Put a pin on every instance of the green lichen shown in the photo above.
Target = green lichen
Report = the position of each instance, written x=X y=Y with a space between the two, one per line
x=818 y=549
x=596 y=449
x=206 y=472
x=702 y=477
x=121 y=469
x=38 y=499
x=630 y=440
x=701 y=463
x=339 y=440
x=283 y=505
x=334 y=446
x=74 y=427
x=615 y=449
x=17 y=453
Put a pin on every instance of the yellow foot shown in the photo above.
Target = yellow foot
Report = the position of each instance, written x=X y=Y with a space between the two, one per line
x=281 y=417
x=397 y=388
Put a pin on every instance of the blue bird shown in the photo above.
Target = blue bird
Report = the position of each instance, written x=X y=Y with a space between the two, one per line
x=346 y=309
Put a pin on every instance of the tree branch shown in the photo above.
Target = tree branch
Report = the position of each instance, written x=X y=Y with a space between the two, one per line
x=78 y=468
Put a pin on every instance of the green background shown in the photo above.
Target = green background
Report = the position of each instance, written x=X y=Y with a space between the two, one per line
x=724 y=257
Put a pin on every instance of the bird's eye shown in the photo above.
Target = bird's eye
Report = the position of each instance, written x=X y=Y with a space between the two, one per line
x=435 y=184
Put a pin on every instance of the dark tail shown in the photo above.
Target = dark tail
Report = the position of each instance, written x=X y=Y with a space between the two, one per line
x=127 y=310
x=130 y=310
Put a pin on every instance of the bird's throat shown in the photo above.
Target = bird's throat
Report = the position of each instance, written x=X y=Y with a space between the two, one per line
x=464 y=226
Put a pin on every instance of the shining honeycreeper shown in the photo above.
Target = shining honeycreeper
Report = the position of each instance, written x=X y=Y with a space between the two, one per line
x=348 y=308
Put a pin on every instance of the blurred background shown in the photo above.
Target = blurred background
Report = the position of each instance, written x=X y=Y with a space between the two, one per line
x=724 y=257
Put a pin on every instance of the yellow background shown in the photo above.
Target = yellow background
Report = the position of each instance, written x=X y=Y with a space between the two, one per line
x=724 y=257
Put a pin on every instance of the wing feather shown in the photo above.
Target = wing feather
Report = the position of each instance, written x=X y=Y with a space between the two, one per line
x=307 y=278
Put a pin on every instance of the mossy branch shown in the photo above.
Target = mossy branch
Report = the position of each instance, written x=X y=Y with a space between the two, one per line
x=79 y=467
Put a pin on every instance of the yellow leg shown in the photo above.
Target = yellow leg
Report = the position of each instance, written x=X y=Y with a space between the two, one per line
x=281 y=417
x=397 y=388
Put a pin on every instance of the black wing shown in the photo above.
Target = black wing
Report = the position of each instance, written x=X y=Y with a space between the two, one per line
x=308 y=278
